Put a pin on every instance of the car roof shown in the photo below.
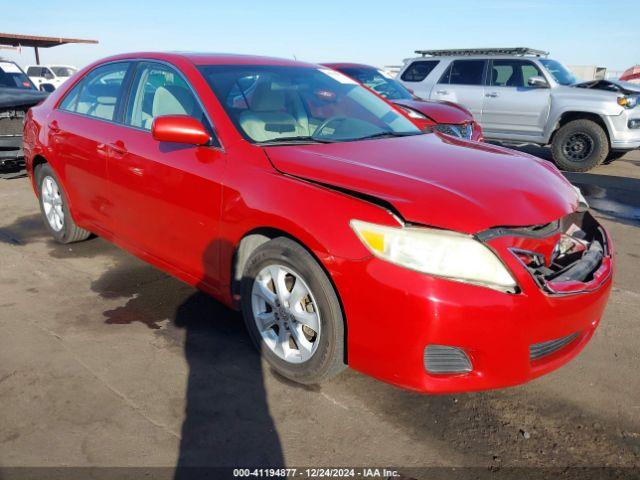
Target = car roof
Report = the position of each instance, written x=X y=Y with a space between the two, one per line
x=203 y=58
x=340 y=65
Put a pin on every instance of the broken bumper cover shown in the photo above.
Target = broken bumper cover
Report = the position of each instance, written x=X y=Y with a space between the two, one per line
x=400 y=313
x=11 y=154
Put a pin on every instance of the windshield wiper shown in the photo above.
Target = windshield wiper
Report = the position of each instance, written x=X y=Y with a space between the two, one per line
x=298 y=139
x=389 y=134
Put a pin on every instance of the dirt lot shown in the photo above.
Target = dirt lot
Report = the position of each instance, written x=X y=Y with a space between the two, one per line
x=105 y=361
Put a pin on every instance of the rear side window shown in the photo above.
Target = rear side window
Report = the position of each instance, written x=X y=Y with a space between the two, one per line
x=33 y=71
x=419 y=70
x=465 y=72
x=98 y=93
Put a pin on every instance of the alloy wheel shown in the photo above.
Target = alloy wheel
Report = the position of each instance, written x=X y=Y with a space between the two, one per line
x=52 y=203
x=286 y=313
x=578 y=147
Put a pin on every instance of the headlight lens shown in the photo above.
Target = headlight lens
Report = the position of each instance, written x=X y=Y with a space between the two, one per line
x=437 y=252
x=412 y=113
x=628 y=102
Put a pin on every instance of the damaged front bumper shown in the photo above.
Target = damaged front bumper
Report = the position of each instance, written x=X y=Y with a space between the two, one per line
x=404 y=320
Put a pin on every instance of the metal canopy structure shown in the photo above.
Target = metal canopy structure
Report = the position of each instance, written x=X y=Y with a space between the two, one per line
x=14 y=40
x=482 y=51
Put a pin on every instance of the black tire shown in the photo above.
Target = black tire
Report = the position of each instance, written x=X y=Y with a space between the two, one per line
x=70 y=232
x=328 y=359
x=579 y=146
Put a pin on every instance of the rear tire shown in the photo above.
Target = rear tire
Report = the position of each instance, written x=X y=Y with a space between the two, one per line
x=55 y=207
x=271 y=313
x=579 y=146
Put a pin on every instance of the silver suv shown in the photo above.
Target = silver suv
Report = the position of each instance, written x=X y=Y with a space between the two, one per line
x=520 y=96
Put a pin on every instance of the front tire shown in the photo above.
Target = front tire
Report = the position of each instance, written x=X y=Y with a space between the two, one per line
x=579 y=146
x=292 y=312
x=55 y=207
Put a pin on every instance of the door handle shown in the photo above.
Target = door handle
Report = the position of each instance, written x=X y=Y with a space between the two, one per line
x=442 y=92
x=491 y=95
x=118 y=148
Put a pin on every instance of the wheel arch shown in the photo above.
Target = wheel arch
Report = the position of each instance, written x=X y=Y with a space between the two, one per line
x=571 y=115
x=251 y=240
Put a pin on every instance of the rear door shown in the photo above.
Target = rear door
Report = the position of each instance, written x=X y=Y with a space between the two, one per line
x=512 y=108
x=166 y=196
x=463 y=82
x=82 y=128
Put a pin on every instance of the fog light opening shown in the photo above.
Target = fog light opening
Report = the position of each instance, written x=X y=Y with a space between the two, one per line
x=441 y=359
x=634 y=123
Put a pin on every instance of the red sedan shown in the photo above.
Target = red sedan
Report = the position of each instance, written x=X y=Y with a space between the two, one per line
x=345 y=234
x=446 y=117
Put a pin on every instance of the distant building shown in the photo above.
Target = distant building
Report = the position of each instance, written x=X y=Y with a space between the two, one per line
x=589 y=72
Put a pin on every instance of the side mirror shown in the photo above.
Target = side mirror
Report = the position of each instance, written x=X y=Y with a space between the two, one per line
x=180 y=129
x=48 y=75
x=538 y=82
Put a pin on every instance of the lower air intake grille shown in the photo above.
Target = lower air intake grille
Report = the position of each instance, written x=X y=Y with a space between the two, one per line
x=442 y=359
x=539 y=350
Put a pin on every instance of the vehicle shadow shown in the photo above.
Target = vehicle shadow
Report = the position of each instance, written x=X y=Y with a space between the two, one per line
x=227 y=421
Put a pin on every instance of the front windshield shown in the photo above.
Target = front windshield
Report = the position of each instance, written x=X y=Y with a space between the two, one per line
x=280 y=104
x=379 y=82
x=63 y=71
x=560 y=73
x=12 y=77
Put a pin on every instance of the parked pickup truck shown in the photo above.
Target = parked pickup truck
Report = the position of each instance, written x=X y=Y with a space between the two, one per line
x=520 y=96
x=17 y=95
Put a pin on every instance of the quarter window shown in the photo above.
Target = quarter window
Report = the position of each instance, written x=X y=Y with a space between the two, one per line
x=513 y=73
x=465 y=72
x=98 y=93
x=159 y=90
x=418 y=71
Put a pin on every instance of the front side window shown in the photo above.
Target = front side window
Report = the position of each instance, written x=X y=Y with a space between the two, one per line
x=33 y=71
x=63 y=71
x=465 y=72
x=380 y=82
x=513 y=73
x=559 y=72
x=12 y=77
x=419 y=70
x=159 y=90
x=282 y=103
x=98 y=93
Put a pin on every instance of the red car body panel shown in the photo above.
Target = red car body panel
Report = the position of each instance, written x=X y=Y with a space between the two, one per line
x=185 y=209
x=435 y=111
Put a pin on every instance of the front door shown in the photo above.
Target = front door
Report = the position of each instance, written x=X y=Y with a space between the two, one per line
x=512 y=108
x=167 y=196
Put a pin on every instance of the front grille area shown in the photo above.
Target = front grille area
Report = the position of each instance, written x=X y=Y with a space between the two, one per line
x=539 y=350
x=11 y=122
x=443 y=359
x=464 y=131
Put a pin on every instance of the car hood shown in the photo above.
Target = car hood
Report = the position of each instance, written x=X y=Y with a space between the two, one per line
x=436 y=180
x=16 y=97
x=439 y=112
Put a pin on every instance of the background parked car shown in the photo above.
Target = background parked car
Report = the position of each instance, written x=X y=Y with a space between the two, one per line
x=520 y=96
x=445 y=117
x=631 y=75
x=50 y=77
x=17 y=95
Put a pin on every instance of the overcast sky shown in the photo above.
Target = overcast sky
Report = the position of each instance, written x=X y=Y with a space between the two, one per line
x=378 y=32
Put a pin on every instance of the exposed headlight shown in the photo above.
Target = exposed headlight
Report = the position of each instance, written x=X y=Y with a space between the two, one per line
x=464 y=130
x=412 y=113
x=628 y=101
x=582 y=202
x=436 y=252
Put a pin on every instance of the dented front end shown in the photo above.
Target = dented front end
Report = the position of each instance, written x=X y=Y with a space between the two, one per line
x=570 y=255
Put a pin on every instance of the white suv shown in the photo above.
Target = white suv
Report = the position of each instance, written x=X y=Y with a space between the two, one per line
x=520 y=96
x=49 y=77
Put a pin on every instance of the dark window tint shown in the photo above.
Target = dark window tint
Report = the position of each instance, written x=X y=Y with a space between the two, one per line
x=160 y=90
x=98 y=93
x=34 y=71
x=465 y=72
x=513 y=73
x=419 y=70
x=12 y=77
